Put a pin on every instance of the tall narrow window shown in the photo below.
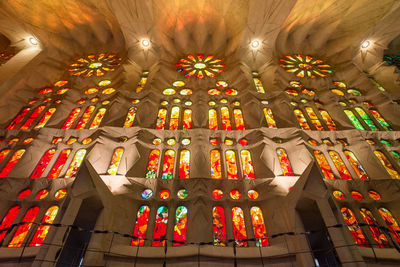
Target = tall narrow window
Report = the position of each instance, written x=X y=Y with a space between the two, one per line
x=212 y=119
x=231 y=166
x=18 y=118
x=366 y=118
x=12 y=162
x=238 y=115
x=269 y=118
x=44 y=161
x=46 y=117
x=142 y=82
x=71 y=118
x=23 y=229
x=247 y=164
x=152 y=166
x=301 y=119
x=4 y=154
x=215 y=157
x=259 y=86
x=219 y=232
x=324 y=165
x=314 y=119
x=339 y=164
x=259 y=227
x=328 y=120
x=187 y=119
x=33 y=117
x=356 y=165
x=85 y=117
x=380 y=120
x=379 y=237
x=75 y=163
x=130 y=117
x=284 y=162
x=8 y=220
x=394 y=154
x=139 y=232
x=354 y=119
x=226 y=122
x=239 y=228
x=386 y=164
x=115 y=161
x=174 y=121
x=168 y=166
x=43 y=230
x=98 y=118
x=62 y=158
x=184 y=164
x=354 y=228
x=160 y=227
x=391 y=223
x=180 y=225
x=161 y=118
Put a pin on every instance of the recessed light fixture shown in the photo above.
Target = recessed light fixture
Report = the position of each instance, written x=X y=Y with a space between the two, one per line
x=33 y=41
x=145 y=43
x=366 y=44
x=255 y=44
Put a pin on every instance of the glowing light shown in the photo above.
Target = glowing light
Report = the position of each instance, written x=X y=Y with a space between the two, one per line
x=365 y=44
x=145 y=43
x=255 y=44
x=33 y=41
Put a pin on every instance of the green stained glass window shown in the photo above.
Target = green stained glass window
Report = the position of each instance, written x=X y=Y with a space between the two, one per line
x=354 y=119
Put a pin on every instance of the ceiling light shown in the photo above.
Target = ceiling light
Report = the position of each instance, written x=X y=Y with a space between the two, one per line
x=365 y=44
x=33 y=41
x=255 y=44
x=145 y=43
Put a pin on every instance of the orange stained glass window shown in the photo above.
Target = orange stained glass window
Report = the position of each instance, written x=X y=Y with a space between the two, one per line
x=259 y=86
x=180 y=226
x=4 y=154
x=386 y=164
x=71 y=118
x=168 y=166
x=215 y=157
x=141 y=84
x=314 y=119
x=231 y=166
x=247 y=164
x=328 y=120
x=115 y=161
x=18 y=118
x=174 y=121
x=324 y=165
x=284 y=162
x=46 y=117
x=354 y=228
x=391 y=223
x=139 y=232
x=356 y=165
x=33 y=117
x=237 y=113
x=130 y=117
x=61 y=193
x=75 y=163
x=85 y=117
x=339 y=164
x=43 y=230
x=260 y=233
x=187 y=119
x=160 y=227
x=239 y=228
x=301 y=119
x=98 y=118
x=12 y=162
x=269 y=118
x=380 y=120
x=152 y=166
x=44 y=161
x=161 y=117
x=8 y=220
x=24 y=228
x=212 y=119
x=219 y=231
x=379 y=237
x=226 y=122
x=184 y=164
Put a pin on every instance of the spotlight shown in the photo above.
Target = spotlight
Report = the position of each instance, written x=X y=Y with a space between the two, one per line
x=365 y=44
x=33 y=41
x=255 y=44
x=145 y=43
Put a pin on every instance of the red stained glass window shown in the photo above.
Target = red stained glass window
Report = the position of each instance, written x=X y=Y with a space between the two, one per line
x=337 y=160
x=386 y=164
x=247 y=164
x=4 y=154
x=187 y=119
x=215 y=157
x=24 y=193
x=168 y=166
x=180 y=225
x=226 y=122
x=12 y=162
x=354 y=228
x=33 y=117
x=71 y=118
x=239 y=228
x=231 y=166
x=42 y=194
x=46 y=117
x=59 y=164
x=75 y=163
x=356 y=165
x=314 y=119
x=85 y=117
x=61 y=193
x=260 y=233
x=219 y=231
x=139 y=232
x=115 y=161
x=160 y=227
x=184 y=164
x=379 y=237
x=44 y=161
x=98 y=118
x=357 y=195
x=324 y=165
x=18 y=118
x=130 y=117
x=24 y=228
x=284 y=162
x=152 y=166
x=239 y=122
x=43 y=230
x=391 y=223
x=8 y=220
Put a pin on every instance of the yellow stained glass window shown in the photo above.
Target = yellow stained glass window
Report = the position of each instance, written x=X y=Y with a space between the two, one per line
x=247 y=164
x=130 y=117
x=301 y=119
x=324 y=165
x=98 y=118
x=115 y=161
x=386 y=164
x=314 y=119
x=215 y=157
x=212 y=119
x=75 y=163
x=269 y=118
x=284 y=162
x=231 y=166
x=239 y=122
x=226 y=122
x=340 y=166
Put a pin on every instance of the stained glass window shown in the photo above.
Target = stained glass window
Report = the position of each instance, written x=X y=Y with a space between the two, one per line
x=43 y=230
x=11 y=163
x=98 y=118
x=354 y=119
x=354 y=228
x=219 y=231
x=379 y=237
x=231 y=166
x=301 y=119
x=356 y=165
x=247 y=164
x=366 y=118
x=142 y=82
x=160 y=227
x=8 y=220
x=4 y=154
x=314 y=119
x=23 y=229
x=306 y=66
x=96 y=65
x=184 y=164
x=324 y=165
x=33 y=117
x=237 y=113
x=174 y=121
x=391 y=223
x=239 y=228
x=226 y=123
x=259 y=86
x=161 y=117
x=380 y=120
x=215 y=157
x=168 y=166
x=152 y=166
x=339 y=164
x=187 y=119
x=328 y=120
x=115 y=161
x=71 y=118
x=44 y=161
x=260 y=233
x=46 y=117
x=75 y=163
x=18 y=118
x=85 y=117
x=139 y=232
x=180 y=225
x=269 y=118
x=387 y=165
x=394 y=154
x=200 y=66
x=284 y=162
x=212 y=119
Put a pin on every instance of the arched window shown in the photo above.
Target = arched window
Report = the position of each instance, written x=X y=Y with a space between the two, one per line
x=42 y=230
x=284 y=162
x=71 y=118
x=328 y=120
x=46 y=117
x=339 y=164
x=354 y=119
x=212 y=119
x=168 y=166
x=44 y=161
x=301 y=119
x=215 y=157
x=391 y=223
x=231 y=166
x=130 y=117
x=62 y=158
x=314 y=119
x=187 y=119
x=23 y=229
x=180 y=225
x=366 y=118
x=115 y=161
x=324 y=165
x=174 y=121
x=219 y=231
x=354 y=228
x=152 y=166
x=139 y=232
x=33 y=117
x=12 y=162
x=18 y=118
x=379 y=237
x=184 y=164
x=386 y=164
x=269 y=118
x=98 y=118
x=258 y=84
x=85 y=117
x=239 y=228
x=4 y=154
x=226 y=122
x=160 y=227
x=380 y=120
x=356 y=165
x=239 y=122
x=247 y=164
x=75 y=163
x=161 y=118
x=142 y=82
x=8 y=220
x=259 y=227
x=394 y=154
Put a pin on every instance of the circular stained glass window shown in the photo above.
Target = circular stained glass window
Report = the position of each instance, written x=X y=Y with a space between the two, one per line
x=292 y=92
x=188 y=103
x=182 y=194
x=354 y=92
x=338 y=195
x=264 y=102
x=61 y=193
x=171 y=141
x=87 y=140
x=157 y=141
x=214 y=92
x=214 y=141
x=337 y=92
x=356 y=195
x=185 y=141
x=236 y=103
x=312 y=142
x=147 y=193
x=108 y=91
x=252 y=194
x=221 y=84
x=374 y=195
x=340 y=84
x=91 y=91
x=231 y=91
x=186 y=92
x=135 y=101
x=317 y=103
x=164 y=194
x=217 y=193
x=178 y=83
x=104 y=83
x=223 y=101
x=176 y=100
x=228 y=142
x=42 y=194
x=242 y=141
x=164 y=103
x=169 y=91
x=211 y=103
x=235 y=194
x=24 y=193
